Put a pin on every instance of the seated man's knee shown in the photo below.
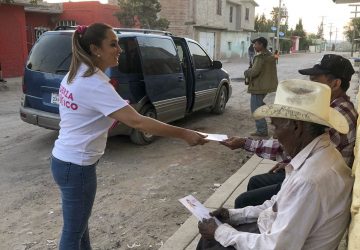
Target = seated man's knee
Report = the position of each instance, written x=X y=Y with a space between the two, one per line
x=253 y=183
x=243 y=200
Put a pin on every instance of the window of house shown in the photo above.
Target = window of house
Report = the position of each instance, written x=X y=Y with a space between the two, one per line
x=247 y=14
x=229 y=46
x=219 y=7
x=66 y=23
x=231 y=14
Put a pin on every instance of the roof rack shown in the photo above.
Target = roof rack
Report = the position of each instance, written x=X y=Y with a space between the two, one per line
x=119 y=30
x=65 y=27
x=145 y=31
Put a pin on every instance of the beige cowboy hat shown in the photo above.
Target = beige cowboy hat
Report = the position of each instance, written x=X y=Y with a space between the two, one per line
x=305 y=101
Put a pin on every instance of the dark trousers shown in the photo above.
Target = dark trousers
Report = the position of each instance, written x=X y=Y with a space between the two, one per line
x=260 y=189
x=214 y=245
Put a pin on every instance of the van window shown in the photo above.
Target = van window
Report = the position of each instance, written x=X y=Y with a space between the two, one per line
x=51 y=54
x=129 y=60
x=202 y=61
x=159 y=56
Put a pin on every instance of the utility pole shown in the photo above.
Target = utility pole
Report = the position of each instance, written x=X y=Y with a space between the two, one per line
x=336 y=32
x=322 y=33
x=353 y=32
x=278 y=28
x=330 y=33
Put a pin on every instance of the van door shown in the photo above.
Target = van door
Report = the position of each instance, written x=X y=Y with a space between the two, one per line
x=184 y=55
x=163 y=76
x=206 y=77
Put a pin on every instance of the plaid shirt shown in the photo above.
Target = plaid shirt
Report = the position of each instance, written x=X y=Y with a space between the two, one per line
x=273 y=150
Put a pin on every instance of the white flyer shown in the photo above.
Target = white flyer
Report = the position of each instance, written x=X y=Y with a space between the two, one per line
x=214 y=137
x=197 y=209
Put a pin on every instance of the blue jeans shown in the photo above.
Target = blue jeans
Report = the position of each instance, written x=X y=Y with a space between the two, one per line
x=78 y=188
x=257 y=101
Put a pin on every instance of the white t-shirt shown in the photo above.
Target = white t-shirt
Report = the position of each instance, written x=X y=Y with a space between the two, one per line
x=84 y=107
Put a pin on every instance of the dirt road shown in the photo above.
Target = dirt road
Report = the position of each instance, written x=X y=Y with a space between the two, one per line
x=138 y=186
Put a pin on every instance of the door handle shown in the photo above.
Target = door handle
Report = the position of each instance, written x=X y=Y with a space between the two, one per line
x=180 y=79
x=199 y=76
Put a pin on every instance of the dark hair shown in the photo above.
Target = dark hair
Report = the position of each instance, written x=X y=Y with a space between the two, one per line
x=344 y=84
x=261 y=40
x=81 y=41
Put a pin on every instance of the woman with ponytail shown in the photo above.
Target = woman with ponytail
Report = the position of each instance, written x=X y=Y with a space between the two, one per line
x=89 y=105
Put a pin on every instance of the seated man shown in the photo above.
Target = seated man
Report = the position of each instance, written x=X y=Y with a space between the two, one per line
x=334 y=71
x=312 y=208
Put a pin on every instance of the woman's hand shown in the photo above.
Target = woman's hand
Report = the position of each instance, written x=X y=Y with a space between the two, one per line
x=193 y=138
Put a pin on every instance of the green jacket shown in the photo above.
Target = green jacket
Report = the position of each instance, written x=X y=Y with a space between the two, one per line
x=263 y=74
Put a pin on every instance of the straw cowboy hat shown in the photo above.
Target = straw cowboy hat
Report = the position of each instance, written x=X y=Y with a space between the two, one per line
x=305 y=101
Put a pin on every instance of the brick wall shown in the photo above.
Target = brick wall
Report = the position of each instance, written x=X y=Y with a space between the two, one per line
x=35 y=20
x=86 y=13
x=178 y=12
x=13 y=50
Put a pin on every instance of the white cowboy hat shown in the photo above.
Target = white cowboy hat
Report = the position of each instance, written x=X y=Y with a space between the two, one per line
x=305 y=101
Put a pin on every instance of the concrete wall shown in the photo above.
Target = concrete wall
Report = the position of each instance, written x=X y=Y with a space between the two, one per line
x=180 y=13
x=247 y=24
x=13 y=50
x=354 y=229
x=234 y=44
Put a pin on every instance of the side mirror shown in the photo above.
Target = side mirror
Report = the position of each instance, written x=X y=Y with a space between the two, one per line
x=217 y=64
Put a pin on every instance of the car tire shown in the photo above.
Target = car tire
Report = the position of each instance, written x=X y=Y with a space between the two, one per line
x=221 y=101
x=143 y=138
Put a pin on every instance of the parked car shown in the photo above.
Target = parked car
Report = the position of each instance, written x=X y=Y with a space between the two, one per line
x=161 y=76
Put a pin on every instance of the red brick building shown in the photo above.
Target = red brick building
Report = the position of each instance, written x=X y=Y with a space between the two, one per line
x=22 y=24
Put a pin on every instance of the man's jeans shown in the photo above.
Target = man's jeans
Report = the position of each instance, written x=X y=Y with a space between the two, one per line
x=78 y=188
x=255 y=102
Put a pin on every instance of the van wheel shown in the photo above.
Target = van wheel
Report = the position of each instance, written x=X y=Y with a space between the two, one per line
x=143 y=138
x=221 y=100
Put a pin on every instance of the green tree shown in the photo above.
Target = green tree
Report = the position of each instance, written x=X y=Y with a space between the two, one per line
x=262 y=24
x=146 y=11
x=303 y=40
x=353 y=26
x=320 y=33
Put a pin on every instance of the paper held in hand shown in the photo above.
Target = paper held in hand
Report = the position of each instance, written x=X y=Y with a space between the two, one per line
x=214 y=137
x=196 y=208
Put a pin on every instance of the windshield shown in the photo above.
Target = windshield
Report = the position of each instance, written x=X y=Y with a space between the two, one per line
x=51 y=54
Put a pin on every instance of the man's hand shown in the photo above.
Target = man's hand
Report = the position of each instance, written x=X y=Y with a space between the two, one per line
x=222 y=214
x=207 y=228
x=234 y=142
x=278 y=167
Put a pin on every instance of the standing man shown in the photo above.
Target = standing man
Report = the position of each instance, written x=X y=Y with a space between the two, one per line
x=251 y=53
x=262 y=80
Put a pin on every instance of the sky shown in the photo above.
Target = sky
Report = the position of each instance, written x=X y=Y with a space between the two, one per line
x=311 y=12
